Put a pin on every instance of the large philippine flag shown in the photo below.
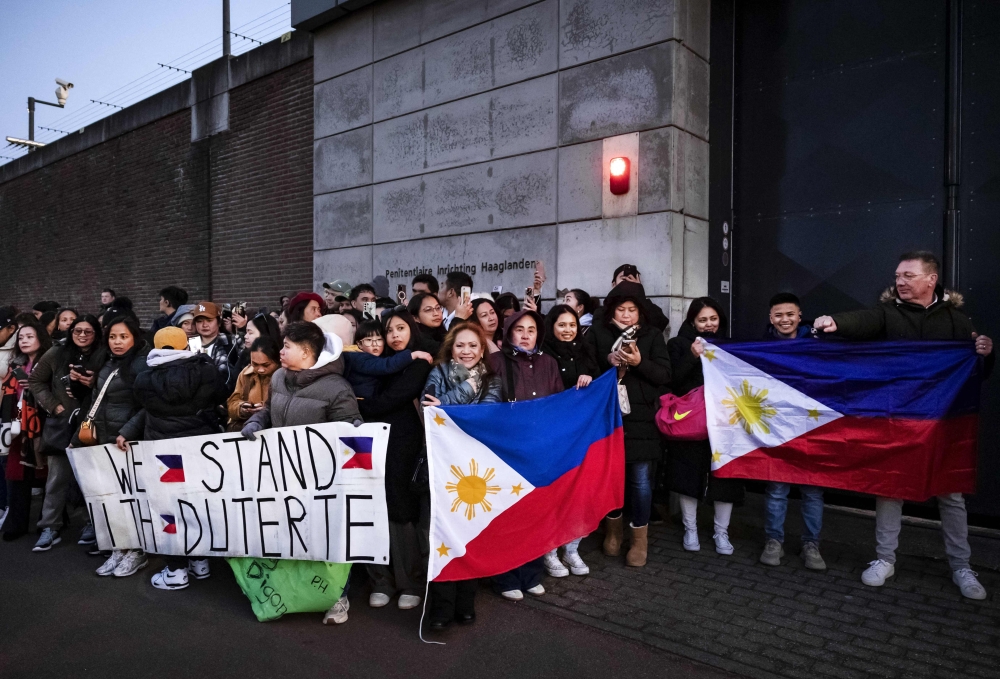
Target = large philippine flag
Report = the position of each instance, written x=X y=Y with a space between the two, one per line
x=895 y=419
x=511 y=481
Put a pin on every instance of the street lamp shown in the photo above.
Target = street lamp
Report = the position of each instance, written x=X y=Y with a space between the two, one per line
x=62 y=93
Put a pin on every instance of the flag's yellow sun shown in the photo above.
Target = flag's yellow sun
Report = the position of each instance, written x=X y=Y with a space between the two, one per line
x=749 y=408
x=471 y=489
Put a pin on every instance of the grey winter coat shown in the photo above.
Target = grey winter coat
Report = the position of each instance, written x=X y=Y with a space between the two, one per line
x=45 y=380
x=309 y=397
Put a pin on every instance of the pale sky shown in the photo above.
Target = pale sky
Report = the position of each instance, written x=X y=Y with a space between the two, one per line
x=102 y=46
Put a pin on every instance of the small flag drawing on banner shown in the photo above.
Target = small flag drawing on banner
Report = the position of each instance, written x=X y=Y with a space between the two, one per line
x=172 y=469
x=361 y=447
x=169 y=523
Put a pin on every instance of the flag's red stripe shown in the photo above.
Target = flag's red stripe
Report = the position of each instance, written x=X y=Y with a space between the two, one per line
x=173 y=476
x=903 y=459
x=170 y=528
x=570 y=507
x=359 y=461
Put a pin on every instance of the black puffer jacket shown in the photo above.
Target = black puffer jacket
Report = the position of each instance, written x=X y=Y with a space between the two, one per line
x=118 y=405
x=689 y=463
x=177 y=397
x=645 y=382
x=575 y=358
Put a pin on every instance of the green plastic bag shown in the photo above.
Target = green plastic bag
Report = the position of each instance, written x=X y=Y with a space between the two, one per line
x=279 y=586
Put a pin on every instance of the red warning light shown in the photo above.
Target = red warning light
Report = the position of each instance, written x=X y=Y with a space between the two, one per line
x=619 y=176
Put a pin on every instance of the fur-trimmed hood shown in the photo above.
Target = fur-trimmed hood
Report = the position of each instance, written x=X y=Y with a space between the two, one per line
x=956 y=298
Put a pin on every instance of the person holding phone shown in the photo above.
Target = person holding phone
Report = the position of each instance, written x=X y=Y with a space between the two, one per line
x=62 y=379
x=254 y=382
x=643 y=366
x=456 y=304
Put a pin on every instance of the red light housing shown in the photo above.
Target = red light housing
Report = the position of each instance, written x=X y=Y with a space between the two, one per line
x=620 y=173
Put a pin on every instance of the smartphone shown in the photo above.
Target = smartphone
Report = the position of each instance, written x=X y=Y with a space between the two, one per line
x=466 y=294
x=529 y=293
x=497 y=291
x=401 y=293
x=431 y=391
x=540 y=268
x=194 y=344
x=369 y=309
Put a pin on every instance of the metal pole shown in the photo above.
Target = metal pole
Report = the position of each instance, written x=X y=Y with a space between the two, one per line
x=31 y=119
x=953 y=148
x=226 y=50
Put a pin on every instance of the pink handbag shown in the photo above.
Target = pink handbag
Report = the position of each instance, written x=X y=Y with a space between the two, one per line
x=682 y=418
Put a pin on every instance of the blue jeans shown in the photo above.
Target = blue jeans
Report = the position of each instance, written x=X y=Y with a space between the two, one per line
x=776 y=505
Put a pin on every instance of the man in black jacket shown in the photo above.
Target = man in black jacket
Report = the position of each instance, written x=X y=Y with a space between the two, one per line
x=917 y=309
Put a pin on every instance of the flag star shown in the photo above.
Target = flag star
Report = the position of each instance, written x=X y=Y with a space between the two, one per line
x=438 y=420
x=516 y=490
x=716 y=456
x=442 y=550
x=813 y=414
x=710 y=355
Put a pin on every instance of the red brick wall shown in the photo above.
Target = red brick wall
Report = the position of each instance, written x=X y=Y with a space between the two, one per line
x=133 y=213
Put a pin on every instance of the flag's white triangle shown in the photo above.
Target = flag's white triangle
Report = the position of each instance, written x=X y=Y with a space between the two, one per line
x=748 y=409
x=451 y=455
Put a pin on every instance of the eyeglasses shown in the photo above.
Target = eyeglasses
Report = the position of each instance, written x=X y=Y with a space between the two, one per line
x=80 y=332
x=910 y=276
x=371 y=341
x=430 y=309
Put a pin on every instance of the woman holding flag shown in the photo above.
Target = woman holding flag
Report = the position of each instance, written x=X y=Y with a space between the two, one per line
x=461 y=375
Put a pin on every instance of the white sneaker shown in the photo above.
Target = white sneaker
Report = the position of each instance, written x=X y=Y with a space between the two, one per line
x=378 y=600
x=47 y=540
x=3 y=516
x=512 y=594
x=337 y=615
x=131 y=563
x=966 y=580
x=537 y=590
x=555 y=567
x=168 y=579
x=877 y=572
x=109 y=566
x=691 y=543
x=722 y=544
x=198 y=568
x=576 y=564
x=35 y=492
x=408 y=601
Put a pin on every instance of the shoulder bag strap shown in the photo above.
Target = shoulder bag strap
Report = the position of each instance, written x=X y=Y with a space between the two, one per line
x=100 y=396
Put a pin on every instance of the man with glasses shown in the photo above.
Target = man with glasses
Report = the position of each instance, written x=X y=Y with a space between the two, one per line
x=917 y=308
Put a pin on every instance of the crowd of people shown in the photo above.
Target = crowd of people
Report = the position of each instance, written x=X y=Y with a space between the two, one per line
x=355 y=354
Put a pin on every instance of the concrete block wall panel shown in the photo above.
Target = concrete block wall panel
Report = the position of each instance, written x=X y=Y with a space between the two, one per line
x=501 y=194
x=512 y=48
x=343 y=219
x=512 y=120
x=343 y=103
x=504 y=258
x=342 y=161
x=488 y=126
x=350 y=264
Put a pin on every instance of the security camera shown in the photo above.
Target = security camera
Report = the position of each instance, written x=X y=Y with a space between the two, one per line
x=62 y=92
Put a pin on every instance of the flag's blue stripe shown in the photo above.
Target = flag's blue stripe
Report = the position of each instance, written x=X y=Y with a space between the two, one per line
x=172 y=461
x=359 y=444
x=905 y=379
x=543 y=439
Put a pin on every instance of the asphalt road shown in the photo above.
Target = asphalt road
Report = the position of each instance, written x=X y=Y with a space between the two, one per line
x=58 y=619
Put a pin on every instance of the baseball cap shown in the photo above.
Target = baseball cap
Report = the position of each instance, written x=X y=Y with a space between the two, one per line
x=170 y=337
x=626 y=270
x=7 y=315
x=206 y=309
x=339 y=286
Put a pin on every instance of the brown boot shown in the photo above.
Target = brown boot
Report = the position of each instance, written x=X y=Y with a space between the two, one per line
x=637 y=551
x=613 y=536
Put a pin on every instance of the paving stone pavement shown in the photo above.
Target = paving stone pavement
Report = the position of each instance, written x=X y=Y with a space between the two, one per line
x=739 y=615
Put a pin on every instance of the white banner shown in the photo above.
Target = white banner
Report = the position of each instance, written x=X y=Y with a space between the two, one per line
x=313 y=492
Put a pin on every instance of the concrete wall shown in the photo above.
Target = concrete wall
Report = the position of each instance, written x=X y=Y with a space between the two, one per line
x=477 y=133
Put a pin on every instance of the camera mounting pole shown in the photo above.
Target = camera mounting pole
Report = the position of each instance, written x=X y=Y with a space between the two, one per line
x=31 y=116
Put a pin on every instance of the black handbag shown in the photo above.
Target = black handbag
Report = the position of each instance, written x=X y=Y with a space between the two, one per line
x=57 y=433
